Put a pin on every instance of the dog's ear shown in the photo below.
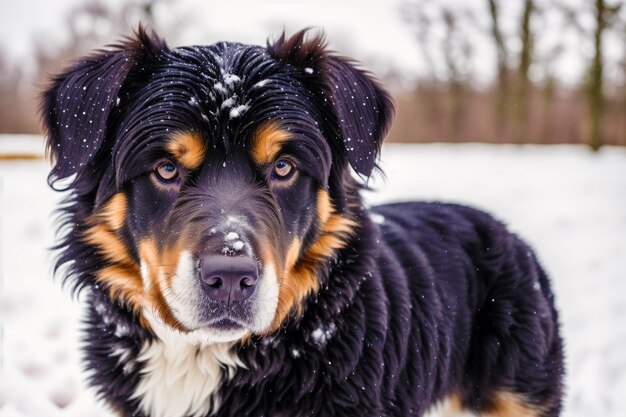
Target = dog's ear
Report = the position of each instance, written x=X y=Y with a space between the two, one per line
x=362 y=108
x=76 y=107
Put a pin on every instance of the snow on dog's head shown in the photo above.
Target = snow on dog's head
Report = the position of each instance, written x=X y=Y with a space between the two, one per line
x=210 y=184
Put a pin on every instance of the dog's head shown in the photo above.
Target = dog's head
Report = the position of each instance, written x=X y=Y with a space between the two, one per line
x=210 y=184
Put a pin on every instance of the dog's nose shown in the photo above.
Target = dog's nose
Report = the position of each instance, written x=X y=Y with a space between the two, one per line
x=228 y=278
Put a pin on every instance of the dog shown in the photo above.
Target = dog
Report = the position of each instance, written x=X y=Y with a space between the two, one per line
x=215 y=229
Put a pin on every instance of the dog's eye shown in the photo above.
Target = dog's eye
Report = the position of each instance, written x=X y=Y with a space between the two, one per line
x=166 y=171
x=282 y=169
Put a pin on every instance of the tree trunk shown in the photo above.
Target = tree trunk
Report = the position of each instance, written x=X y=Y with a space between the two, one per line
x=503 y=85
x=524 y=85
x=456 y=108
x=596 y=98
x=546 y=114
x=624 y=85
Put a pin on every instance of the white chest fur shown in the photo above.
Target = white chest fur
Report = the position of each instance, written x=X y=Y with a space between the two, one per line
x=181 y=377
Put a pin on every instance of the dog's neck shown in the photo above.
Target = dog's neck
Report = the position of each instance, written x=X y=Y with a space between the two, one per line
x=182 y=374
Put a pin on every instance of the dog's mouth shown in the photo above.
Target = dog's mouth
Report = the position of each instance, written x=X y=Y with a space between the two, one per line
x=219 y=316
x=226 y=324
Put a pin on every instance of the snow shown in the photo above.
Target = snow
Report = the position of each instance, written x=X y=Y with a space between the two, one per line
x=231 y=79
x=295 y=353
x=261 y=83
x=567 y=202
x=238 y=111
x=219 y=87
x=377 y=218
x=232 y=239
x=228 y=103
x=322 y=335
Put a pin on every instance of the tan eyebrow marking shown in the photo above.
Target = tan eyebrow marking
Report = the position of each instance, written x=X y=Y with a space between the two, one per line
x=267 y=142
x=188 y=148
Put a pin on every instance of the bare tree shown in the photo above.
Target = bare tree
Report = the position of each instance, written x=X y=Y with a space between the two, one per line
x=549 y=89
x=14 y=114
x=523 y=82
x=502 y=92
x=604 y=13
x=622 y=24
x=457 y=53
x=94 y=23
x=414 y=13
x=596 y=78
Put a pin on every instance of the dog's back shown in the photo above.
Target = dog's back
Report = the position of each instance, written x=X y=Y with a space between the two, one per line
x=471 y=308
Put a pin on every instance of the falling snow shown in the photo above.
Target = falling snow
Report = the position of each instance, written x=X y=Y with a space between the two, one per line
x=295 y=353
x=377 y=218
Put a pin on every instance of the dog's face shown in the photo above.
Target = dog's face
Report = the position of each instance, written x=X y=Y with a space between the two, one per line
x=211 y=183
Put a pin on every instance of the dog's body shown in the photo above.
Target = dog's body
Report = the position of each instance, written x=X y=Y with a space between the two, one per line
x=232 y=269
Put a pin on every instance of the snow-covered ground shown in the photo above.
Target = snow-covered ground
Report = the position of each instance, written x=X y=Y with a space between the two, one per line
x=568 y=203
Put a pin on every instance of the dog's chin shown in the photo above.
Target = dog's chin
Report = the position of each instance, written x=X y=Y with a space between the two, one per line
x=213 y=334
x=224 y=329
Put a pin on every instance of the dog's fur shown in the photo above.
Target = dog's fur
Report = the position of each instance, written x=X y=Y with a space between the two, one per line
x=358 y=312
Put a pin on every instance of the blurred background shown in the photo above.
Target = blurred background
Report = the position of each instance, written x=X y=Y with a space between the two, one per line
x=517 y=71
x=517 y=107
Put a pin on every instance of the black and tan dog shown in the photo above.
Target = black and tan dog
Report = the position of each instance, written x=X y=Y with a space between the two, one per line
x=216 y=227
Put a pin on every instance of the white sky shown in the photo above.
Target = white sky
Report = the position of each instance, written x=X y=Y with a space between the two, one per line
x=371 y=31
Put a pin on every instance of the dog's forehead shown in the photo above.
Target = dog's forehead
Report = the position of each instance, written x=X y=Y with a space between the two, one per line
x=225 y=90
x=220 y=79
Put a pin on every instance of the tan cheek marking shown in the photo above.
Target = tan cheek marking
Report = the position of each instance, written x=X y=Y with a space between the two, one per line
x=122 y=277
x=293 y=253
x=188 y=148
x=109 y=244
x=160 y=265
x=115 y=211
x=267 y=143
x=300 y=279
x=507 y=404
x=125 y=284
x=324 y=206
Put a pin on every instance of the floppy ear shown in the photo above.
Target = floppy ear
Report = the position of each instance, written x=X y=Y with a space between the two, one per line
x=362 y=108
x=76 y=107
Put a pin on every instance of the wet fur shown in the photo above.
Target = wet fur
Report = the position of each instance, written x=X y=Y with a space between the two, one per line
x=383 y=318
